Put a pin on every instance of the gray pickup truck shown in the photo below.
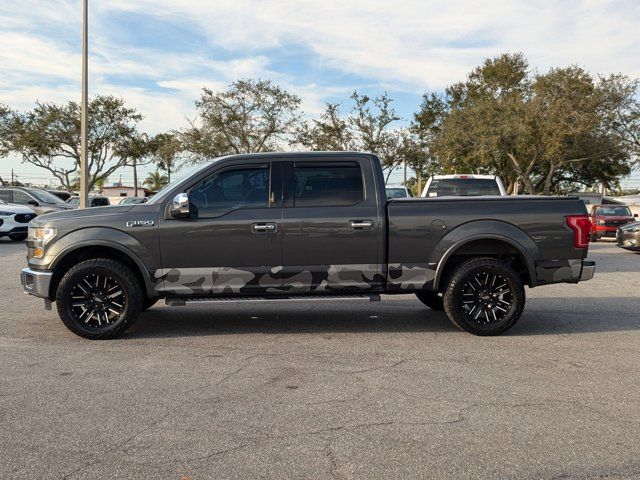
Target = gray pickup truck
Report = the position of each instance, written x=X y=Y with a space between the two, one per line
x=314 y=225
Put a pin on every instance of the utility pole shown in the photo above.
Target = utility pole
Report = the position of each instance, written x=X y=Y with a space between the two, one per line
x=405 y=173
x=12 y=177
x=84 y=183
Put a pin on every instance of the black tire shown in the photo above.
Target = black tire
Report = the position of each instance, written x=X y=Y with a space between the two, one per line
x=433 y=300
x=18 y=237
x=475 y=302
x=149 y=302
x=116 y=298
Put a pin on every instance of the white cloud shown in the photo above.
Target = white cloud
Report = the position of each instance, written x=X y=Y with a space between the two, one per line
x=419 y=44
x=409 y=45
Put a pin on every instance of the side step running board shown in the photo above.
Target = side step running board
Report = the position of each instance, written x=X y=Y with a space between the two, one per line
x=181 y=301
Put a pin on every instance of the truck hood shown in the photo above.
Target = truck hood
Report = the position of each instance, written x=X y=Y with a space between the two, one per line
x=87 y=213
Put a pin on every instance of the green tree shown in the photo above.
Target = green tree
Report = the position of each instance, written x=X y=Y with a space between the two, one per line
x=251 y=116
x=547 y=131
x=371 y=120
x=622 y=111
x=331 y=132
x=49 y=137
x=368 y=127
x=156 y=180
x=166 y=149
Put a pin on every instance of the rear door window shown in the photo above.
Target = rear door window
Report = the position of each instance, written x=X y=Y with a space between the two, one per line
x=5 y=195
x=328 y=184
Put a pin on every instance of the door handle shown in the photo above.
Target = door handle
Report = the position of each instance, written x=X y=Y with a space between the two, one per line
x=361 y=224
x=264 y=228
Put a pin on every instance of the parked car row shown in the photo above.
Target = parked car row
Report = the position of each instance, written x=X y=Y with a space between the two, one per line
x=46 y=201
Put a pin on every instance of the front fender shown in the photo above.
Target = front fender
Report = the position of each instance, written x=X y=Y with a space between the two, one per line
x=144 y=257
x=484 y=230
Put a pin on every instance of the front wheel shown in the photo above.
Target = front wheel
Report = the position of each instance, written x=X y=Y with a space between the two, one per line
x=99 y=298
x=484 y=296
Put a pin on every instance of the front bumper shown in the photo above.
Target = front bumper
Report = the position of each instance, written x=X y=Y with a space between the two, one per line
x=588 y=269
x=35 y=282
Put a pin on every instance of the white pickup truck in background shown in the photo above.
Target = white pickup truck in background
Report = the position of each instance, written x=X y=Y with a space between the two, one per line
x=462 y=185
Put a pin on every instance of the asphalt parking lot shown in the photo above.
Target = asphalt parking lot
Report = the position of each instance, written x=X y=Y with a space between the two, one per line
x=327 y=390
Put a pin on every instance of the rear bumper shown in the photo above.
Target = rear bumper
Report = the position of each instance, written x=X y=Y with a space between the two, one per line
x=36 y=282
x=588 y=269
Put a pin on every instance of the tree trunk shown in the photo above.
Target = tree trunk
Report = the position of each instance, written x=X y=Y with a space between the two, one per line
x=526 y=180
x=549 y=179
x=510 y=187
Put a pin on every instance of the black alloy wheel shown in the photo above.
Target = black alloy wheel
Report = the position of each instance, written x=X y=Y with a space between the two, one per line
x=484 y=296
x=99 y=298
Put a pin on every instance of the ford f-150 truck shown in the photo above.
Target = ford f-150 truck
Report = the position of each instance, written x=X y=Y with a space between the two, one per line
x=279 y=226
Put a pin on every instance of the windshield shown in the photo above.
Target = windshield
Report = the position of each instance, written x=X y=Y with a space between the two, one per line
x=396 y=193
x=45 y=197
x=185 y=173
x=613 y=211
x=462 y=187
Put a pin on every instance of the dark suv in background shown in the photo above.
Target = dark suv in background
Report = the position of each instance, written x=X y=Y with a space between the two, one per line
x=38 y=200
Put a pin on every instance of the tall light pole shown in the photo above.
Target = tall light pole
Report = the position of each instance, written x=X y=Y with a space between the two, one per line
x=84 y=184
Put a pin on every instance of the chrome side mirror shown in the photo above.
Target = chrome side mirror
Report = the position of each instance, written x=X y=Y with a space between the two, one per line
x=180 y=206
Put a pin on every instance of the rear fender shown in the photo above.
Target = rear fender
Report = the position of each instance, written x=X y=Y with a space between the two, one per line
x=484 y=230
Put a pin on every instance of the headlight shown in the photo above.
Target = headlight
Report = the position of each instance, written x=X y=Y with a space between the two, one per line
x=40 y=236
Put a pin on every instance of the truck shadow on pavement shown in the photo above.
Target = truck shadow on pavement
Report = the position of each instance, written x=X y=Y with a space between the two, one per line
x=543 y=316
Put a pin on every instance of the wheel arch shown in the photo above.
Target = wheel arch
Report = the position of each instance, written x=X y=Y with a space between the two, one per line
x=98 y=249
x=490 y=239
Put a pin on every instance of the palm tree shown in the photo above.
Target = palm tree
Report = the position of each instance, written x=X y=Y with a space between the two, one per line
x=155 y=181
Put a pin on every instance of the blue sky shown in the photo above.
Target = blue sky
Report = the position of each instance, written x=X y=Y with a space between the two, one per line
x=159 y=54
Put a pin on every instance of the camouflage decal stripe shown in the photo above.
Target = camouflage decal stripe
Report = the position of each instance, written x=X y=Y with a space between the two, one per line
x=333 y=278
x=218 y=280
x=225 y=280
x=410 y=276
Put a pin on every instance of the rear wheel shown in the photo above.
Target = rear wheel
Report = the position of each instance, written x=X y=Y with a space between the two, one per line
x=433 y=300
x=99 y=298
x=484 y=296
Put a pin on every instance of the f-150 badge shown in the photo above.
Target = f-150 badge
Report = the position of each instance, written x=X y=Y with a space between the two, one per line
x=141 y=223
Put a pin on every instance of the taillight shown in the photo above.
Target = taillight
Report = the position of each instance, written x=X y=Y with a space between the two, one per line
x=581 y=226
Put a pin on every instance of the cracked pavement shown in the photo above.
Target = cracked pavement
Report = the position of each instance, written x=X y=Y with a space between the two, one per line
x=330 y=389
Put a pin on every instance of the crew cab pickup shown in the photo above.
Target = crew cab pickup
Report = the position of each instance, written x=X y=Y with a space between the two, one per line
x=280 y=226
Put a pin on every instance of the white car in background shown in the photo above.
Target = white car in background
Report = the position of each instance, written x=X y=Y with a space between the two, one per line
x=14 y=220
x=398 y=191
x=461 y=185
